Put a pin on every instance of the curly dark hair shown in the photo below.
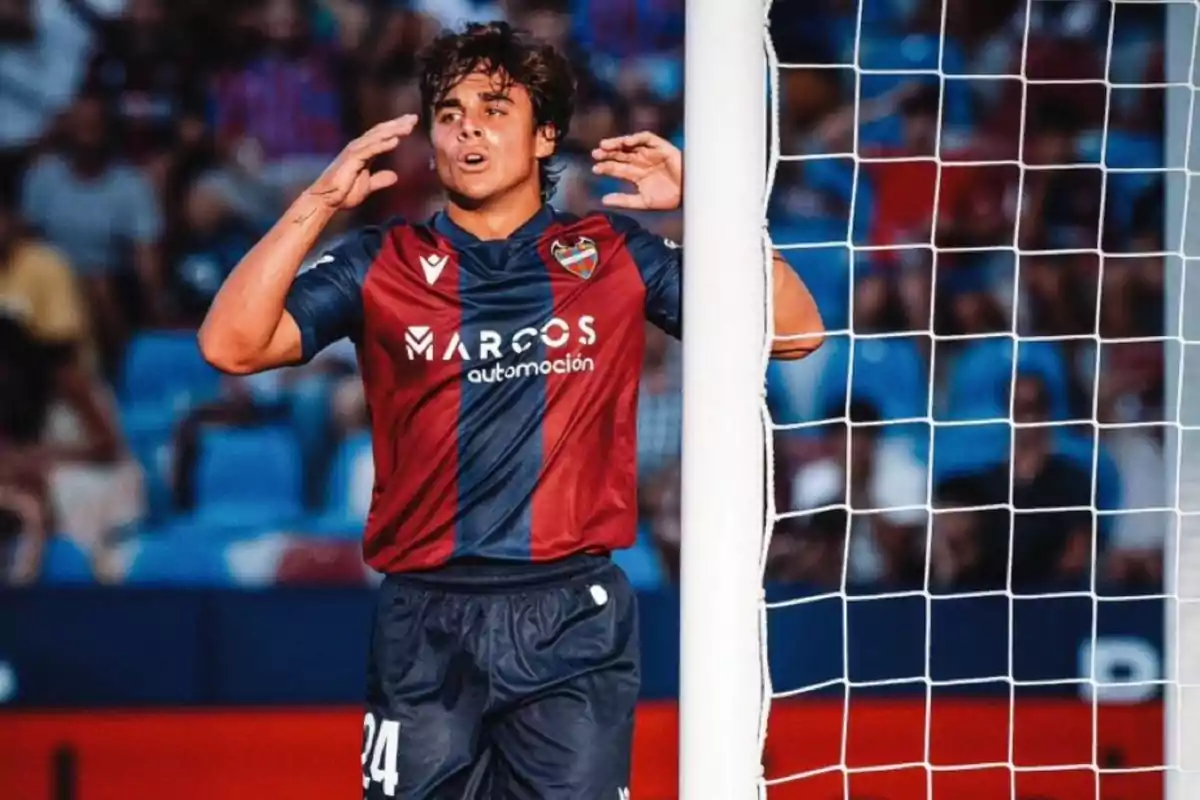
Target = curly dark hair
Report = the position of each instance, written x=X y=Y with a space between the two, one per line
x=498 y=49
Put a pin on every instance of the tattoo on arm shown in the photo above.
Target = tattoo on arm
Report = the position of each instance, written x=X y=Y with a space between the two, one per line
x=303 y=217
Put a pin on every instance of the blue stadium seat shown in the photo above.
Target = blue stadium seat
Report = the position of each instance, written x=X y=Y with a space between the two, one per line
x=641 y=562
x=345 y=508
x=64 y=562
x=969 y=449
x=982 y=375
x=836 y=178
x=221 y=525
x=889 y=373
x=153 y=453
x=176 y=562
x=792 y=387
x=912 y=53
x=1123 y=150
x=164 y=371
x=248 y=476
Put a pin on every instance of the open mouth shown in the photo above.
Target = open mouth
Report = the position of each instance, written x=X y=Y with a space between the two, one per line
x=473 y=162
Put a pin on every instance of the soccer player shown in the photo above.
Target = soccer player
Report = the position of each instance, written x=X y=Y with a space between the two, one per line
x=500 y=344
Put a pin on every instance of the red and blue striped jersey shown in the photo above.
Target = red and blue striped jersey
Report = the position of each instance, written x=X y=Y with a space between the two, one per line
x=501 y=379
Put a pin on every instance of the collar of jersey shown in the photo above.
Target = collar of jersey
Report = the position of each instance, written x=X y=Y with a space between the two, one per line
x=531 y=229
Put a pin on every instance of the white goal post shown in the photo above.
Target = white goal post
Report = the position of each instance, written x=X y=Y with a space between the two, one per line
x=725 y=160
x=1182 y=557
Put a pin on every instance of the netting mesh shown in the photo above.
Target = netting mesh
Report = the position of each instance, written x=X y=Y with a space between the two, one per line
x=979 y=478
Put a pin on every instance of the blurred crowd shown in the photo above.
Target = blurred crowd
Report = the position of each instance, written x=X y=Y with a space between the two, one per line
x=145 y=144
x=1006 y=301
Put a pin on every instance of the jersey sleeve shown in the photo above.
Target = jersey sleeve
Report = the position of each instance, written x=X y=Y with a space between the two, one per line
x=326 y=299
x=660 y=262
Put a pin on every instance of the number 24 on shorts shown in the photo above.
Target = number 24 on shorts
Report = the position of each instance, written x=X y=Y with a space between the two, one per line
x=381 y=741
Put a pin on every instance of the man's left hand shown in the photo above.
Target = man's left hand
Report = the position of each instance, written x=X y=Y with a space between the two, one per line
x=652 y=164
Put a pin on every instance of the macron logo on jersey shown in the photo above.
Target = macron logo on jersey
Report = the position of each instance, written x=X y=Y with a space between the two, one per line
x=432 y=266
x=418 y=342
x=557 y=335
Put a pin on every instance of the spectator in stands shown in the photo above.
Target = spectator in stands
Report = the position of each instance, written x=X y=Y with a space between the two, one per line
x=904 y=182
x=410 y=159
x=144 y=70
x=1048 y=547
x=1060 y=209
x=969 y=550
x=883 y=485
x=22 y=492
x=214 y=239
x=1134 y=550
x=809 y=550
x=43 y=51
x=271 y=76
x=39 y=291
x=632 y=43
x=60 y=439
x=279 y=118
x=22 y=113
x=104 y=216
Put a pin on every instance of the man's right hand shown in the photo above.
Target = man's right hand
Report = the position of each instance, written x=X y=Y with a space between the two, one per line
x=348 y=181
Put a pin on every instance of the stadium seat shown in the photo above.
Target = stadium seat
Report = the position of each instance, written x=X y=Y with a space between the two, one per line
x=248 y=476
x=968 y=449
x=1139 y=157
x=920 y=54
x=310 y=414
x=641 y=563
x=835 y=178
x=348 y=490
x=889 y=373
x=982 y=374
x=152 y=450
x=64 y=562
x=792 y=387
x=175 y=562
x=164 y=370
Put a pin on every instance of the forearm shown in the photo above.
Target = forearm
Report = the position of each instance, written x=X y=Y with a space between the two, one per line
x=242 y=324
x=796 y=314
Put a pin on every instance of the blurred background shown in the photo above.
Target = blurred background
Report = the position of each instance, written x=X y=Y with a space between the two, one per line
x=172 y=537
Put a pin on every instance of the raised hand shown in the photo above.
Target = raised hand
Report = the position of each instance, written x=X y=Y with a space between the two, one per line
x=348 y=181
x=652 y=164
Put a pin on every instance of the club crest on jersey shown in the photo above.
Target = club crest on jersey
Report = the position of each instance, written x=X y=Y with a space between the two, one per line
x=579 y=258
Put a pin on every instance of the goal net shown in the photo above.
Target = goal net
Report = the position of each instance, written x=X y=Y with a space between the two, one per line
x=982 y=525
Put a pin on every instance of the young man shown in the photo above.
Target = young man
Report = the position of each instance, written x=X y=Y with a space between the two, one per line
x=500 y=345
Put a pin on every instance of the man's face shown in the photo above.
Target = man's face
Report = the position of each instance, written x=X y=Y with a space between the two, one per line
x=485 y=140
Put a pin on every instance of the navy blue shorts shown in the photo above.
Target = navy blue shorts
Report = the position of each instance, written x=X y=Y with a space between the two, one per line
x=490 y=683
